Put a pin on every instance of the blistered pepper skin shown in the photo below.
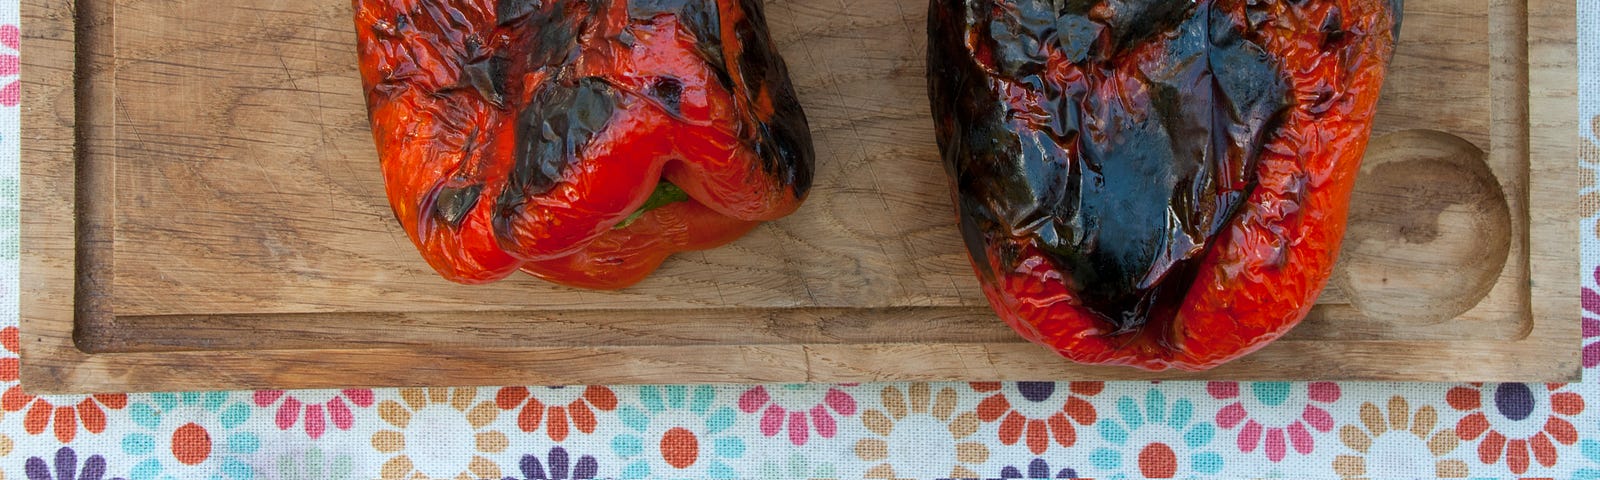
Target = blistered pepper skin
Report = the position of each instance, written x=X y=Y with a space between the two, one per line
x=1155 y=183
x=529 y=134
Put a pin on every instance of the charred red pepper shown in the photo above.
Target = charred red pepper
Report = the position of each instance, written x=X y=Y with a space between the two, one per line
x=581 y=141
x=1155 y=183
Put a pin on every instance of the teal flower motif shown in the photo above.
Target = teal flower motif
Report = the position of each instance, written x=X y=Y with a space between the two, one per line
x=797 y=466
x=190 y=435
x=1590 y=449
x=8 y=216
x=677 y=431
x=1158 y=439
x=314 y=464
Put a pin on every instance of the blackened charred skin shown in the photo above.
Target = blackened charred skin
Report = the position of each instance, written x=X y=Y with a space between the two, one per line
x=1134 y=22
x=551 y=135
x=486 y=75
x=668 y=92
x=555 y=128
x=1396 y=6
x=452 y=203
x=555 y=23
x=700 y=17
x=508 y=12
x=1017 y=34
x=782 y=139
x=1126 y=195
x=556 y=125
x=785 y=137
x=965 y=130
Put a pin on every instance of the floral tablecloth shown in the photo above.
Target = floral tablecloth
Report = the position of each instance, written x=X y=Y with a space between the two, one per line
x=921 y=430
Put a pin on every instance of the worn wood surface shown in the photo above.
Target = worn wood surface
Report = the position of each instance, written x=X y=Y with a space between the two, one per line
x=202 y=209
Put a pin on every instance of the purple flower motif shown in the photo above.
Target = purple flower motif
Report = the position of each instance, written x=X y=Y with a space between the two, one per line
x=557 y=466
x=1038 y=468
x=1591 y=324
x=66 y=467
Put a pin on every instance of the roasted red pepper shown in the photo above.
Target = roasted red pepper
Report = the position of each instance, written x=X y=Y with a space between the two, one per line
x=582 y=141
x=1155 y=183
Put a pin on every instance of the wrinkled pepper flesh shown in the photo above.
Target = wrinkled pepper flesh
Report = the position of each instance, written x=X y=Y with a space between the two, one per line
x=1155 y=183
x=580 y=141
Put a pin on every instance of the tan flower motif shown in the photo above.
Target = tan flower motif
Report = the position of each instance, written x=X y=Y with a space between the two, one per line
x=5 y=450
x=1589 y=156
x=916 y=433
x=1398 y=440
x=423 y=439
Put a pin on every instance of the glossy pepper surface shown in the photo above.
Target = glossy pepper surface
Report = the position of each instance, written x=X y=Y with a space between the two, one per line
x=581 y=141
x=1155 y=183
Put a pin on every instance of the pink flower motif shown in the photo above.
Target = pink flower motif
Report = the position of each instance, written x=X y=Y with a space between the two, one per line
x=319 y=406
x=799 y=408
x=11 y=94
x=1276 y=415
x=1591 y=324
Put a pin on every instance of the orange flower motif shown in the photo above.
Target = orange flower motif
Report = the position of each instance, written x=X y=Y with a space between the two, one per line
x=424 y=437
x=1039 y=411
x=1515 y=421
x=8 y=365
x=72 y=411
x=557 y=407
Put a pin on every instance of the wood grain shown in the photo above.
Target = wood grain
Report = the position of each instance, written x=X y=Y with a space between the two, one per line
x=202 y=209
x=1430 y=227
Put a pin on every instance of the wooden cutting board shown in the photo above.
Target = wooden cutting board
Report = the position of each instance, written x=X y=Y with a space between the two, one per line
x=202 y=209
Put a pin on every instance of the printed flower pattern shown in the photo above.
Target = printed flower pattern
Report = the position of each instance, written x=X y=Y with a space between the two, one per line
x=6 y=445
x=1276 y=416
x=424 y=434
x=315 y=464
x=1038 y=411
x=1590 y=449
x=1037 y=468
x=66 y=467
x=1397 y=442
x=1158 y=439
x=917 y=433
x=1516 y=421
x=65 y=412
x=10 y=213
x=677 y=431
x=190 y=435
x=557 y=465
x=72 y=412
x=11 y=93
x=11 y=341
x=1589 y=159
x=797 y=465
x=314 y=408
x=798 y=408
x=557 y=408
x=1591 y=324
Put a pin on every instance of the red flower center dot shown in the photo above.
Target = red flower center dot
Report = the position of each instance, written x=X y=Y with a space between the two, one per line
x=1158 y=461
x=191 y=444
x=679 y=447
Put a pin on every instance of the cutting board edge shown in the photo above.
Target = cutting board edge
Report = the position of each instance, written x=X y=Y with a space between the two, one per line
x=51 y=304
